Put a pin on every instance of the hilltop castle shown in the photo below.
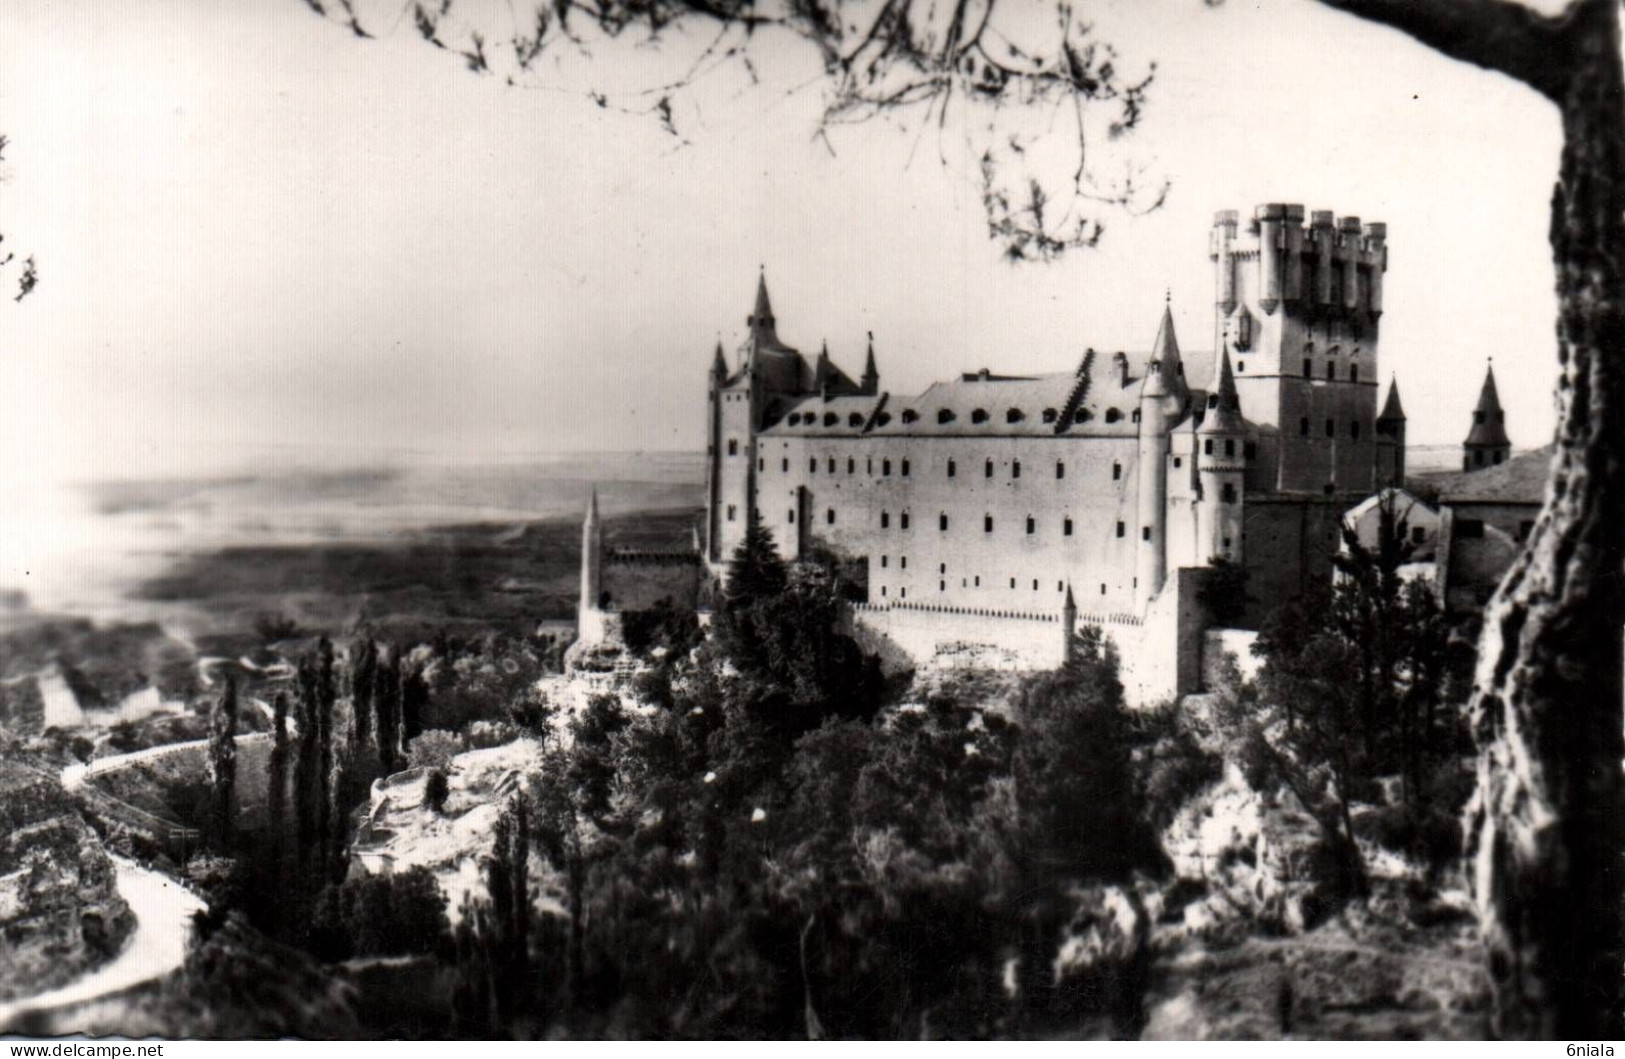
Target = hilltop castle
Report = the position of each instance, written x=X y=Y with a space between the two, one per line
x=991 y=513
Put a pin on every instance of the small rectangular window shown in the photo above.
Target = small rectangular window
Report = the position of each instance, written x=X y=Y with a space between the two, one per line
x=987 y=469
x=790 y=516
x=1122 y=530
x=851 y=465
x=987 y=523
x=1207 y=447
x=761 y=464
x=1015 y=469
x=733 y=446
x=883 y=561
x=942 y=522
x=1145 y=533
x=1066 y=527
x=832 y=465
x=1230 y=446
x=885 y=468
x=869 y=465
x=905 y=468
x=1117 y=471
x=951 y=468
x=1331 y=371
x=812 y=465
x=942 y=586
x=885 y=519
x=1031 y=526
x=903 y=562
x=786 y=465
x=1303 y=427
x=1012 y=582
x=1228 y=493
x=905 y=520
x=1331 y=428
x=732 y=511
x=1418 y=534
x=1060 y=469
x=1179 y=461
x=829 y=516
x=1308 y=367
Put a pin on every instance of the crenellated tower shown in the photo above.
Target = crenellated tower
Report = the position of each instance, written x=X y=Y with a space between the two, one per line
x=1299 y=309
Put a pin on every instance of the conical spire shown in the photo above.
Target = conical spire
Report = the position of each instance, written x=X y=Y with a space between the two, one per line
x=1392 y=410
x=592 y=504
x=1489 y=421
x=762 y=315
x=1223 y=404
x=719 y=363
x=1166 y=347
x=871 y=376
x=1070 y=604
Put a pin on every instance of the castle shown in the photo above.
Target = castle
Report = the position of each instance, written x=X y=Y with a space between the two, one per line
x=991 y=513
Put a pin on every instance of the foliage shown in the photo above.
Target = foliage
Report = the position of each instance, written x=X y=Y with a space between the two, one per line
x=223 y=763
x=663 y=625
x=398 y=914
x=475 y=681
x=434 y=749
x=436 y=790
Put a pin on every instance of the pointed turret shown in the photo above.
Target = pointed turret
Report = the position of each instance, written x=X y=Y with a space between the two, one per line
x=1392 y=410
x=592 y=560
x=1487 y=443
x=762 y=315
x=871 y=377
x=1223 y=405
x=1069 y=624
x=1391 y=440
x=719 y=363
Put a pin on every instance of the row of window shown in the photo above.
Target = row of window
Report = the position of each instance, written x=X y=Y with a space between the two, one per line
x=944 y=417
x=1331 y=371
x=1331 y=428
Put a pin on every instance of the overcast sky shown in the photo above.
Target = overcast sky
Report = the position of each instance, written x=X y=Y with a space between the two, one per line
x=258 y=234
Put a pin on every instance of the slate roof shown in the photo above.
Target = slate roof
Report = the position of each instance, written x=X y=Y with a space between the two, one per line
x=1520 y=480
x=979 y=404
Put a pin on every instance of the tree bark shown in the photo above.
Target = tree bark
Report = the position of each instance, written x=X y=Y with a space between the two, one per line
x=1546 y=827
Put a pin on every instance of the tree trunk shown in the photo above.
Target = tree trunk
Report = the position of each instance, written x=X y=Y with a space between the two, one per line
x=1546 y=828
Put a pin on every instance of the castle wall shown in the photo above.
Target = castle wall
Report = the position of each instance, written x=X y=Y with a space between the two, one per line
x=1290 y=542
x=637 y=583
x=907 y=636
x=965 y=565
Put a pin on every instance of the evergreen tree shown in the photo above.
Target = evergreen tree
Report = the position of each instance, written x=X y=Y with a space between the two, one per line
x=223 y=763
x=414 y=700
x=387 y=708
x=756 y=571
x=364 y=675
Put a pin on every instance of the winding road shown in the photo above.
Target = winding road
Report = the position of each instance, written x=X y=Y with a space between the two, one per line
x=163 y=909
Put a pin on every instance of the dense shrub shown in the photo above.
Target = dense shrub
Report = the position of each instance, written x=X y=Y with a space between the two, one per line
x=433 y=749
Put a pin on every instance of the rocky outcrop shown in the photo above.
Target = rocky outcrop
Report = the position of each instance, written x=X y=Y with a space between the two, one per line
x=1253 y=855
x=60 y=909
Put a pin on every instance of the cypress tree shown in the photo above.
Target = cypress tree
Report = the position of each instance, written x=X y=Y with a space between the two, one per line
x=223 y=763
x=755 y=571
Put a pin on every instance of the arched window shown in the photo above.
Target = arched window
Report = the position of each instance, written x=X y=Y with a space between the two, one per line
x=910 y=415
x=945 y=415
x=1113 y=415
x=795 y=419
x=885 y=468
x=1060 y=469
x=978 y=415
x=1082 y=415
x=1308 y=367
x=1049 y=415
x=882 y=419
x=855 y=419
x=1013 y=415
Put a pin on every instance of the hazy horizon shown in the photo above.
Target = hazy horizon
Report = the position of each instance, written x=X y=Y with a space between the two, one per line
x=259 y=235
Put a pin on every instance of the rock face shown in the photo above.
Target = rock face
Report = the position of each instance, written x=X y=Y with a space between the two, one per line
x=60 y=910
x=1257 y=856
